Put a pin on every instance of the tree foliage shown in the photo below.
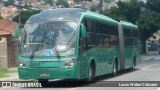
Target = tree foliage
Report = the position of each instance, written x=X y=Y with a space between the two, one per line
x=149 y=23
x=146 y=16
x=153 y=5
x=128 y=11
x=1 y=17
x=107 y=1
x=93 y=8
x=49 y=2
x=25 y=15
x=113 y=12
x=62 y=2
x=9 y=1
x=77 y=1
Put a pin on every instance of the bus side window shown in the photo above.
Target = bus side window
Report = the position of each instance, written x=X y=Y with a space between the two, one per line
x=83 y=43
x=98 y=29
x=113 y=40
x=106 y=35
x=90 y=33
x=112 y=33
x=135 y=37
x=90 y=39
x=115 y=35
x=128 y=37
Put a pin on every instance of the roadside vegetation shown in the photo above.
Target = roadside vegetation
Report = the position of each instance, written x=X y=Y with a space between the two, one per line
x=145 y=15
x=5 y=72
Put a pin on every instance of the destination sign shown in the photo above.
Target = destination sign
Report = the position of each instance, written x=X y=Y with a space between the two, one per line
x=51 y=26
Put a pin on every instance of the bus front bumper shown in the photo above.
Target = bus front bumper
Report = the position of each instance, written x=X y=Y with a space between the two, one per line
x=47 y=73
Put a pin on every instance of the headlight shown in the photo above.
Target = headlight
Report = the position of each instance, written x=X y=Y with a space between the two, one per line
x=22 y=63
x=70 y=64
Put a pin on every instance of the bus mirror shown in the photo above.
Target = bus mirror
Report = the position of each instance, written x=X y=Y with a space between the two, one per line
x=16 y=32
x=83 y=31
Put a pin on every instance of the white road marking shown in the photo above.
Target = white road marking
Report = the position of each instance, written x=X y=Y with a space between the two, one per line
x=150 y=66
x=72 y=88
x=151 y=69
x=148 y=59
x=151 y=58
x=147 y=67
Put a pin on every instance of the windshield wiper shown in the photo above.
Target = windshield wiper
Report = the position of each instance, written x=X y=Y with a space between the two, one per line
x=57 y=52
x=55 y=48
x=32 y=54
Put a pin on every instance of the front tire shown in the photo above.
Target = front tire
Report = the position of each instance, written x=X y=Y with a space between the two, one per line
x=114 y=69
x=133 y=65
x=91 y=74
x=44 y=82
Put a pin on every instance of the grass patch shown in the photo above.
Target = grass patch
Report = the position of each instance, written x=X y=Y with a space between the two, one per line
x=4 y=72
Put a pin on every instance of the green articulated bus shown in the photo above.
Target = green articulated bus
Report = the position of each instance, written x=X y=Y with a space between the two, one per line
x=72 y=43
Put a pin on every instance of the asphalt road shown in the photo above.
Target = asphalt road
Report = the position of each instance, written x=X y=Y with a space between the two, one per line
x=148 y=70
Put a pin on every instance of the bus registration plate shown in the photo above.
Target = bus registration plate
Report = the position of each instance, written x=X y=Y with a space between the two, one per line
x=44 y=74
x=35 y=64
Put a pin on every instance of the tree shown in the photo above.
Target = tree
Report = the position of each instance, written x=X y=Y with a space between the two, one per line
x=107 y=1
x=62 y=2
x=9 y=1
x=49 y=2
x=149 y=23
x=128 y=11
x=93 y=8
x=145 y=16
x=76 y=1
x=153 y=5
x=114 y=13
x=1 y=17
x=25 y=15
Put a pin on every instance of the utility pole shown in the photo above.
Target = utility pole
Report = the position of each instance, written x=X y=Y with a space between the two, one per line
x=101 y=5
x=0 y=9
x=1 y=5
x=19 y=12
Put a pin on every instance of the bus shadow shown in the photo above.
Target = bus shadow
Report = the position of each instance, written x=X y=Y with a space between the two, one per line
x=83 y=83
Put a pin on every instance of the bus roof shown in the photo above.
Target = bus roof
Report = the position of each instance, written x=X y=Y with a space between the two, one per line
x=129 y=25
x=65 y=14
x=99 y=17
x=69 y=14
x=75 y=14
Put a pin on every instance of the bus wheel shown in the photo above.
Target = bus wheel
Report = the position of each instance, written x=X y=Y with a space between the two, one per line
x=133 y=64
x=91 y=74
x=114 y=69
x=44 y=82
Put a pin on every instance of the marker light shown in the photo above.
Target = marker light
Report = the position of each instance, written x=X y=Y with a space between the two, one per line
x=70 y=64
x=22 y=65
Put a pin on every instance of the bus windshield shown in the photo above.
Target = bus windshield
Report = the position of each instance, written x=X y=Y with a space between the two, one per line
x=48 y=38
